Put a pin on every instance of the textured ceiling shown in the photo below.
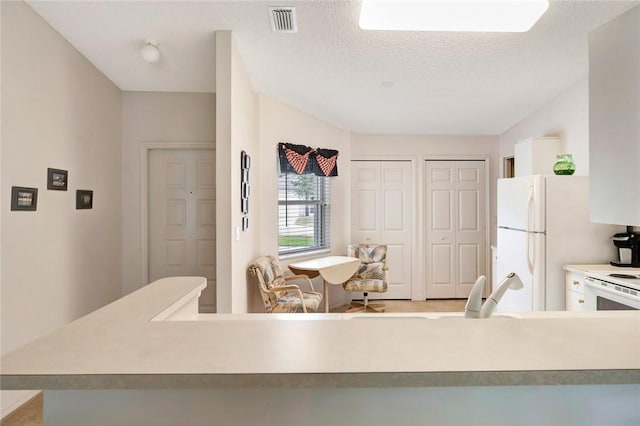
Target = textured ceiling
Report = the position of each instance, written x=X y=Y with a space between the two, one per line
x=443 y=83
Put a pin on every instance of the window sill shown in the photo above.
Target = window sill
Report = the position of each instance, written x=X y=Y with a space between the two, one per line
x=305 y=254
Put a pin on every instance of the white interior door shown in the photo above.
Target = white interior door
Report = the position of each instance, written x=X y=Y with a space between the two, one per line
x=382 y=213
x=181 y=217
x=456 y=241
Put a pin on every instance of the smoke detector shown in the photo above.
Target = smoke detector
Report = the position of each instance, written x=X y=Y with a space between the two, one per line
x=283 y=19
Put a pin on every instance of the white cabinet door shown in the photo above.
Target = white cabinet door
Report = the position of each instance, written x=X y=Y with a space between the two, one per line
x=574 y=283
x=575 y=301
x=456 y=243
x=614 y=132
x=382 y=213
x=181 y=217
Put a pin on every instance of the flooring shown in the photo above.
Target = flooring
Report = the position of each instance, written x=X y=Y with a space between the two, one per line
x=441 y=305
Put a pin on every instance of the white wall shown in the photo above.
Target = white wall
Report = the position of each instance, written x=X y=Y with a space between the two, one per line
x=154 y=118
x=566 y=116
x=58 y=263
x=282 y=123
x=237 y=130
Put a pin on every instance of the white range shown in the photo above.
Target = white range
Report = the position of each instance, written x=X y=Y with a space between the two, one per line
x=612 y=290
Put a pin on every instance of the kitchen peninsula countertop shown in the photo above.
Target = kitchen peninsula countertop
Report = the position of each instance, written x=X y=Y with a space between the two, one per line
x=133 y=343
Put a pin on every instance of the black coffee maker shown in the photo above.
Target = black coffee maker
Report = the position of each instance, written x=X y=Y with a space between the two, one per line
x=628 y=245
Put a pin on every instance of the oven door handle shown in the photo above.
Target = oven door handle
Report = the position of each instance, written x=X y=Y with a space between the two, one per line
x=593 y=283
x=590 y=282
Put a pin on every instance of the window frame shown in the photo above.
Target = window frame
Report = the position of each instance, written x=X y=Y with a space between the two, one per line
x=322 y=220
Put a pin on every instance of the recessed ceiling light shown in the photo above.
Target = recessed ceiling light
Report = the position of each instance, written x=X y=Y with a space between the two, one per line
x=452 y=15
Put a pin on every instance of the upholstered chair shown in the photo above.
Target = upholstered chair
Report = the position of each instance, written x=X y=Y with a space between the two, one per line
x=278 y=294
x=372 y=276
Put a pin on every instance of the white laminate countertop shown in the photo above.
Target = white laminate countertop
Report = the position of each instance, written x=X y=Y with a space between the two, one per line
x=119 y=347
x=606 y=267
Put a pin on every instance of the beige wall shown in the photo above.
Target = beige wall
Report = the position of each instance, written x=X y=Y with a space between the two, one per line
x=58 y=263
x=282 y=123
x=237 y=130
x=224 y=222
x=244 y=137
x=1 y=198
x=154 y=119
x=566 y=116
x=58 y=111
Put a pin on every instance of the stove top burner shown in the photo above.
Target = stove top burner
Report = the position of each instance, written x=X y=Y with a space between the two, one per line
x=623 y=276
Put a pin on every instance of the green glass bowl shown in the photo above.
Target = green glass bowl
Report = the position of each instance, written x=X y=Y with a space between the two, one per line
x=564 y=165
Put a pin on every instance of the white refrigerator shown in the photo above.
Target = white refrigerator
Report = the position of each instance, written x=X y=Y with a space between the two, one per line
x=543 y=224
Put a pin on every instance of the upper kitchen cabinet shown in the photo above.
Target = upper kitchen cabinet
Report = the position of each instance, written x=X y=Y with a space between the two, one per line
x=614 y=120
x=536 y=156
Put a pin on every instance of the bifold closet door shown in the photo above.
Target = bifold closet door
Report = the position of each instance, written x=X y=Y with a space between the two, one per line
x=382 y=213
x=455 y=227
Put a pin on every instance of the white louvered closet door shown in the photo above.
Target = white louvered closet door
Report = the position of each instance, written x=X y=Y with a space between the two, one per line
x=382 y=213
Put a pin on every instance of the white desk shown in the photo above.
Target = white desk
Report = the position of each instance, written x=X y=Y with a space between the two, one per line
x=333 y=270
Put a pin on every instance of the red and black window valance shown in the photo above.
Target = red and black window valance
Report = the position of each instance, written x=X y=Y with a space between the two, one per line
x=302 y=159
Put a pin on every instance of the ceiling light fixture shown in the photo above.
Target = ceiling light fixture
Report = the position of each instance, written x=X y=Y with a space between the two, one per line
x=150 y=52
x=452 y=15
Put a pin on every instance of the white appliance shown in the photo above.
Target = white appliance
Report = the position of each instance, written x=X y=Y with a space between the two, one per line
x=543 y=224
x=612 y=291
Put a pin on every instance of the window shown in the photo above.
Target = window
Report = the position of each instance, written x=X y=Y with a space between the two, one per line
x=303 y=213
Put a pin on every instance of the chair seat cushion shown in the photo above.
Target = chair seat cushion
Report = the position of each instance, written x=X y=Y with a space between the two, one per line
x=290 y=302
x=365 y=284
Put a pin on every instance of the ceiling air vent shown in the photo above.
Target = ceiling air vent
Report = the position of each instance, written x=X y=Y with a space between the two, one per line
x=283 y=19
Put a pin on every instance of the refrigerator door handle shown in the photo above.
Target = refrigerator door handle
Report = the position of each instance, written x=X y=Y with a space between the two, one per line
x=528 y=252
x=531 y=254
x=530 y=211
x=530 y=205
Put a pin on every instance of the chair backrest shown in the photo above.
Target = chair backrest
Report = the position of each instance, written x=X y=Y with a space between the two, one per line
x=269 y=274
x=373 y=258
x=368 y=253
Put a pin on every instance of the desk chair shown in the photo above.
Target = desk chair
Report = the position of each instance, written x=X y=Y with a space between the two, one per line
x=277 y=295
x=372 y=276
